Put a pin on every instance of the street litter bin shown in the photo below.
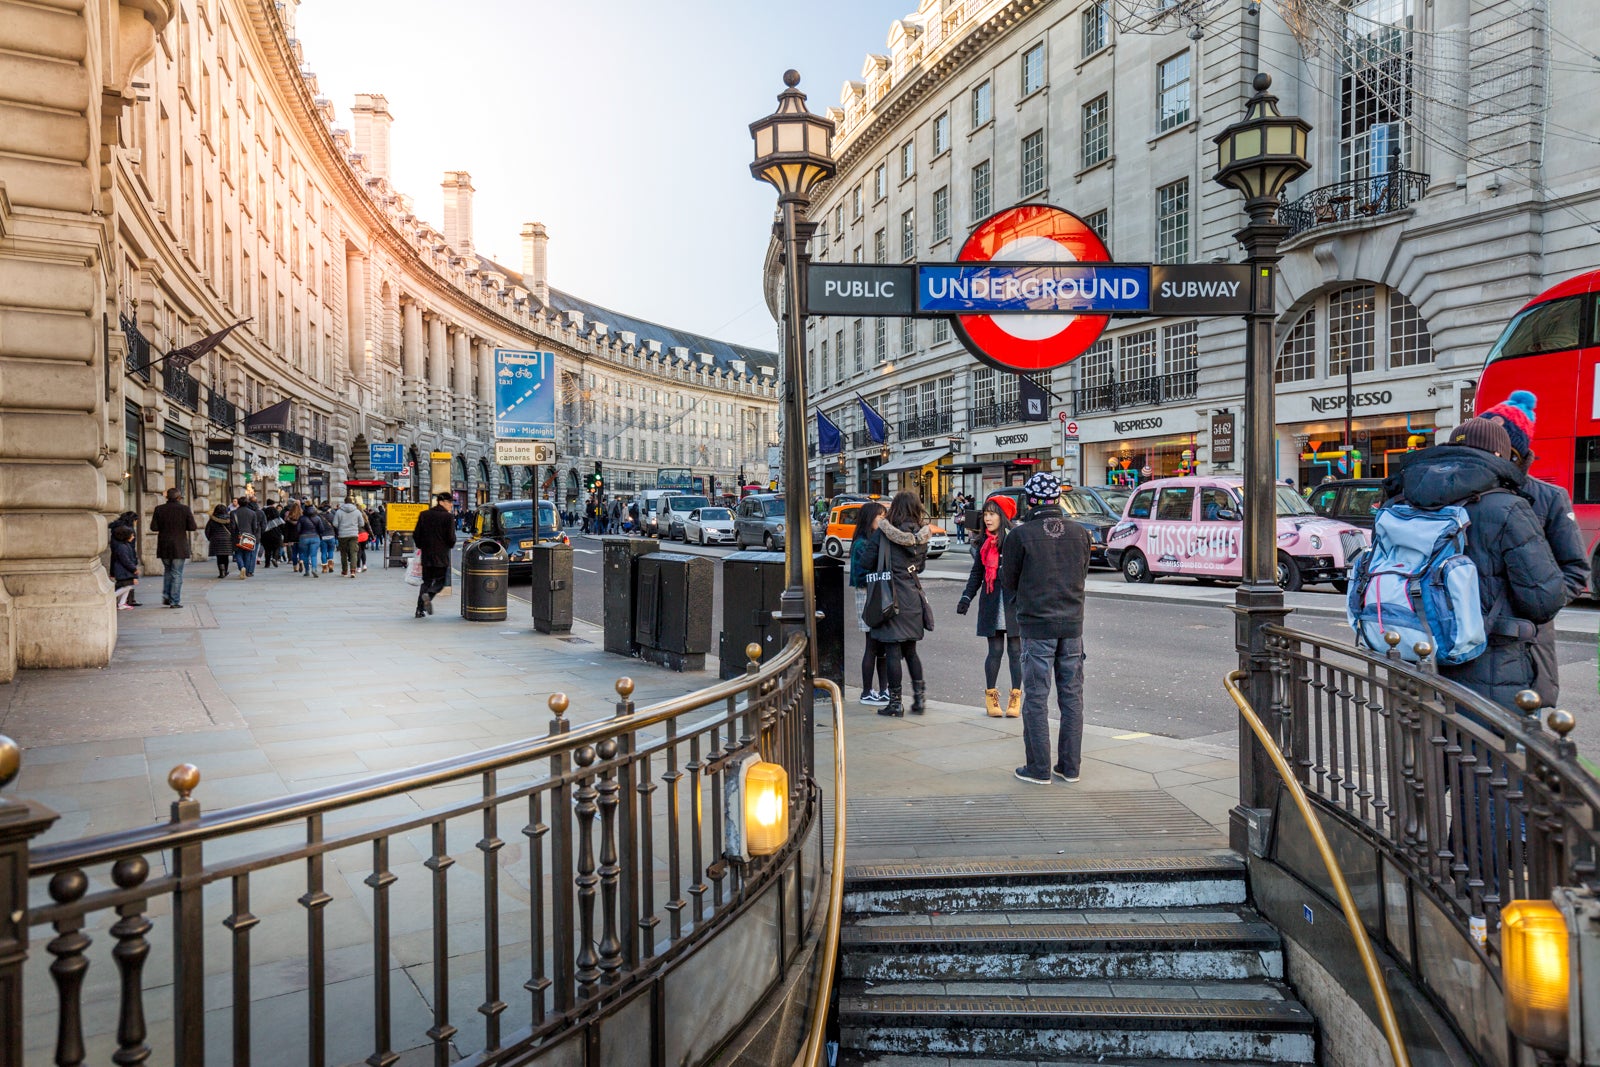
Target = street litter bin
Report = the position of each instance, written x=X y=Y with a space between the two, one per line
x=752 y=583
x=550 y=587
x=484 y=578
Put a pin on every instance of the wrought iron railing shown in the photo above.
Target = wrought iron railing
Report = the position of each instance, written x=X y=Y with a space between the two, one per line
x=181 y=386
x=620 y=876
x=220 y=408
x=863 y=439
x=1003 y=413
x=137 y=361
x=1354 y=200
x=1153 y=390
x=320 y=450
x=928 y=425
x=290 y=441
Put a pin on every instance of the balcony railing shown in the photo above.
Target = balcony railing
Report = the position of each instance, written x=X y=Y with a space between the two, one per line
x=220 y=408
x=935 y=422
x=1002 y=414
x=1136 y=392
x=180 y=386
x=321 y=450
x=1352 y=201
x=290 y=441
x=863 y=439
x=137 y=361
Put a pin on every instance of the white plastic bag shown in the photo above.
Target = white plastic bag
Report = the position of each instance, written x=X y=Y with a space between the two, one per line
x=414 y=569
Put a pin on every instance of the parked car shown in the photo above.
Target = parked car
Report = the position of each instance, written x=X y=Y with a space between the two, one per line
x=649 y=501
x=1114 y=497
x=1193 y=527
x=1081 y=507
x=673 y=510
x=709 y=526
x=1352 y=500
x=512 y=523
x=759 y=521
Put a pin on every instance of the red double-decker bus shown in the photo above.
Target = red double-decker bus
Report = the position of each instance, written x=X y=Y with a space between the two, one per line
x=1551 y=348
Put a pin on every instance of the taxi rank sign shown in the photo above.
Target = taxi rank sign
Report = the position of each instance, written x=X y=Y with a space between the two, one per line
x=1021 y=266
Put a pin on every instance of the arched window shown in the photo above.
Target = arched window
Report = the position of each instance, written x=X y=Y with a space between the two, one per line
x=1359 y=328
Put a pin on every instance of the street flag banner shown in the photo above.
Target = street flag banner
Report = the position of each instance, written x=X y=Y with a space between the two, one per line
x=271 y=419
x=524 y=395
x=877 y=426
x=829 y=439
x=182 y=357
x=1034 y=400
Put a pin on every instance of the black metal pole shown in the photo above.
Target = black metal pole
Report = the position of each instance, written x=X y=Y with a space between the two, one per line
x=1258 y=601
x=796 y=606
x=1349 y=407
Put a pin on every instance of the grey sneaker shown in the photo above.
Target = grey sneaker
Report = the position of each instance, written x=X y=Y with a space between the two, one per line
x=1057 y=772
x=1022 y=774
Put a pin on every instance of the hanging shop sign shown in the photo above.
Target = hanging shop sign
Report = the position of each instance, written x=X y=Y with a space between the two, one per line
x=219 y=451
x=1020 y=439
x=1222 y=437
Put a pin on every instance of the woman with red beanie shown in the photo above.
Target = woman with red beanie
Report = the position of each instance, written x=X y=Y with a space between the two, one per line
x=997 y=611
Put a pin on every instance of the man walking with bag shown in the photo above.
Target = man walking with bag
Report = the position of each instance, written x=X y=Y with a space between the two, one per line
x=1044 y=565
x=172 y=523
x=434 y=537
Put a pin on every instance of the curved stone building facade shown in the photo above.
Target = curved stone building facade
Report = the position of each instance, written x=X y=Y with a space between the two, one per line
x=168 y=169
x=1443 y=194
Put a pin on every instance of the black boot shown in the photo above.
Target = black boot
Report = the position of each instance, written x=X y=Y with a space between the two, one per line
x=919 y=697
x=894 y=706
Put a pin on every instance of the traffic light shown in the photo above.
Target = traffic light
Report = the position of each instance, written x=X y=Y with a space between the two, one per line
x=596 y=481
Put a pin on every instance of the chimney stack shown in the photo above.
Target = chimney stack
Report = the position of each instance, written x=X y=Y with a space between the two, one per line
x=534 y=242
x=372 y=121
x=457 y=186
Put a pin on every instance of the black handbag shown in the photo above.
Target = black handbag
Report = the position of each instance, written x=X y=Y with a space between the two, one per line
x=880 y=606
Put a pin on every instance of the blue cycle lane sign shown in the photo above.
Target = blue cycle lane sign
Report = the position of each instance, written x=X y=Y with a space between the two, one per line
x=524 y=395
x=386 y=458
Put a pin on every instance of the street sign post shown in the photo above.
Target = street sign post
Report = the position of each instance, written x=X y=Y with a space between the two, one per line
x=524 y=395
x=386 y=458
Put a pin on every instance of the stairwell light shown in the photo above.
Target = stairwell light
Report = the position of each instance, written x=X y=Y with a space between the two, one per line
x=1535 y=947
x=757 y=808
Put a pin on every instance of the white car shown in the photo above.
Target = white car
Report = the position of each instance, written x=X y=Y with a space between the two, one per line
x=709 y=526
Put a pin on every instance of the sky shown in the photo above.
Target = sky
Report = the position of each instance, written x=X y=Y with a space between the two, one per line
x=622 y=125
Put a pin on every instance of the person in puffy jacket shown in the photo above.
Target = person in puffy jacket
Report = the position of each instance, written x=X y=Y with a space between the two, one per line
x=1519 y=582
x=863 y=561
x=309 y=539
x=997 y=609
x=220 y=530
x=124 y=566
x=906 y=528
x=348 y=522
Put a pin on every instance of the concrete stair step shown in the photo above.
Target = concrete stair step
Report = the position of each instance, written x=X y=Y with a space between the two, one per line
x=1054 y=883
x=869 y=1058
x=1186 y=951
x=1152 y=989
x=1099 y=1029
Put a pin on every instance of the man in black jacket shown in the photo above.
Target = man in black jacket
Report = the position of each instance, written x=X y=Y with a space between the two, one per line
x=172 y=524
x=434 y=537
x=1044 y=564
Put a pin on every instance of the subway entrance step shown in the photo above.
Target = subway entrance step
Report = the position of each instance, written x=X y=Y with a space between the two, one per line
x=1130 y=961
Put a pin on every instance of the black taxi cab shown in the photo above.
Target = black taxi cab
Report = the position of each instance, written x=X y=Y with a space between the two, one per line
x=518 y=525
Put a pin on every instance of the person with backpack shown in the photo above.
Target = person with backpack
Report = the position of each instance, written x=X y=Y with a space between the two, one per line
x=1454 y=506
x=997 y=609
x=220 y=532
x=863 y=561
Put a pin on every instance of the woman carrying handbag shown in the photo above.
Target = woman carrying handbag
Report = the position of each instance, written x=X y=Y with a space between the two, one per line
x=896 y=609
x=864 y=544
x=997 y=610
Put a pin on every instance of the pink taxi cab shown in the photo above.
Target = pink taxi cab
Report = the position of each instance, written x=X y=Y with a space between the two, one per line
x=1191 y=527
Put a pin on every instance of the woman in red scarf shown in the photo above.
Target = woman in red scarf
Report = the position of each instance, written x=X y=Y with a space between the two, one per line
x=997 y=612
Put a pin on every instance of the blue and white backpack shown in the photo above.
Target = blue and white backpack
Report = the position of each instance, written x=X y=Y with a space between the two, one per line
x=1417 y=580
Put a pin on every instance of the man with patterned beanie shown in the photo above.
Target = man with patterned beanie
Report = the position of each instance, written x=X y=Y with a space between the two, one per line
x=1043 y=565
x=1553 y=508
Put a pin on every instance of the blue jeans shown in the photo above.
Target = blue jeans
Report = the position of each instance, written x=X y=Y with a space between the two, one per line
x=246 y=559
x=172 y=580
x=310 y=555
x=1063 y=658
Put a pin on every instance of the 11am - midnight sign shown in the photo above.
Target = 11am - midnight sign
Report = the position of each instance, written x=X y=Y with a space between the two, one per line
x=524 y=395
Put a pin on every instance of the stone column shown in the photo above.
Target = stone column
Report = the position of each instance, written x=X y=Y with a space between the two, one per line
x=412 y=387
x=355 y=288
x=486 y=389
x=465 y=404
x=438 y=376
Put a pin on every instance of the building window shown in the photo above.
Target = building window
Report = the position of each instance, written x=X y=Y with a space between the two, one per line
x=1298 y=360
x=908 y=160
x=1033 y=69
x=1375 y=89
x=1096 y=130
x=822 y=368
x=855 y=202
x=880 y=341
x=1172 y=222
x=880 y=246
x=1096 y=27
x=1100 y=223
x=941 y=134
x=1172 y=92
x=982 y=104
x=983 y=399
x=855 y=254
x=941 y=213
x=982 y=190
x=1033 y=163
x=1136 y=356
x=880 y=182
x=1352 y=330
x=838 y=222
x=1094 y=366
x=838 y=357
x=908 y=233
x=1180 y=348
x=908 y=335
x=860 y=347
x=1409 y=342
x=941 y=331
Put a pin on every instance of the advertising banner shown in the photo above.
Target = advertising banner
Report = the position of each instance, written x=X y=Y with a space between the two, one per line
x=524 y=395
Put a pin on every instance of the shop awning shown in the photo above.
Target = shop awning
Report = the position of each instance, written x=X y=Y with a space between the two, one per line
x=910 y=461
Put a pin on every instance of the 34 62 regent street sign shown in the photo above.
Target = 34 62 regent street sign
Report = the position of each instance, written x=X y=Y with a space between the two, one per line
x=1032 y=289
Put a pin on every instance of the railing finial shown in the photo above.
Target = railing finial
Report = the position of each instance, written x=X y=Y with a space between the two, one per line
x=625 y=687
x=1561 y=721
x=10 y=760
x=1391 y=638
x=558 y=704
x=183 y=779
x=1529 y=702
x=1423 y=650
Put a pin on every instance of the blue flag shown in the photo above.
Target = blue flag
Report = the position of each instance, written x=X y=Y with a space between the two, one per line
x=877 y=428
x=829 y=439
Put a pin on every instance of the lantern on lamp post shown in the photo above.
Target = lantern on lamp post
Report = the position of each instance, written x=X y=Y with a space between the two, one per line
x=1259 y=156
x=792 y=155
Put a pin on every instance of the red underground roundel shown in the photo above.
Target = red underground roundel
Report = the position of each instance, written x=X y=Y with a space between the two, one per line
x=1028 y=343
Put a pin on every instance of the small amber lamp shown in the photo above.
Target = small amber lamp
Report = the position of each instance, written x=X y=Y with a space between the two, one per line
x=1534 y=945
x=766 y=807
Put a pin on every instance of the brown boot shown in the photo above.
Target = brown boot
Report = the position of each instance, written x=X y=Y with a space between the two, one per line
x=1014 y=709
x=991 y=702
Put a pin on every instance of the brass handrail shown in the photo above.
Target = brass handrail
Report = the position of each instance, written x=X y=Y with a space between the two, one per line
x=1358 y=929
x=811 y=1051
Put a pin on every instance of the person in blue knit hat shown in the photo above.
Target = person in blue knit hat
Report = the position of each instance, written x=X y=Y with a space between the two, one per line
x=1553 y=507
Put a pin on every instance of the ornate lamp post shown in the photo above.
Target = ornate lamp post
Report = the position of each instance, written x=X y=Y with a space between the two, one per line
x=792 y=154
x=1259 y=156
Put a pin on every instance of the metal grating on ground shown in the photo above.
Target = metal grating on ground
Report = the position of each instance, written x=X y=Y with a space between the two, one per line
x=1051 y=816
